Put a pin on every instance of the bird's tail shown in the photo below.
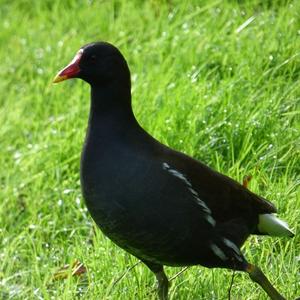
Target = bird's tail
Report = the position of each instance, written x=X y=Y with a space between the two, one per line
x=269 y=224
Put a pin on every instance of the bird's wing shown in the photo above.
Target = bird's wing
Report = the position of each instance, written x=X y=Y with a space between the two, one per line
x=223 y=196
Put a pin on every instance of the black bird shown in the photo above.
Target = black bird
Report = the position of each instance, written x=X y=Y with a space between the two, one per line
x=158 y=204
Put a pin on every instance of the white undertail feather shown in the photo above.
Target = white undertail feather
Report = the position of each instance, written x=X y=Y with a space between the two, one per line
x=271 y=225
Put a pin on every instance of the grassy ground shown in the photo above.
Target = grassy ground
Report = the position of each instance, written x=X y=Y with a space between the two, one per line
x=218 y=80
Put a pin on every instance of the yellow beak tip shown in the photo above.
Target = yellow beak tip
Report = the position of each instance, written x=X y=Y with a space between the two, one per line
x=59 y=78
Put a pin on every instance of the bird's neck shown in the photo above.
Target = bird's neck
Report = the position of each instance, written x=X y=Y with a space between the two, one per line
x=110 y=110
x=111 y=99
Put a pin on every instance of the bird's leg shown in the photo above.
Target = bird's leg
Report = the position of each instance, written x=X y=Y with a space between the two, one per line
x=162 y=279
x=258 y=276
x=163 y=285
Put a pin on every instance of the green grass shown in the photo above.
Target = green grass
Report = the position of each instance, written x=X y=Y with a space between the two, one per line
x=204 y=82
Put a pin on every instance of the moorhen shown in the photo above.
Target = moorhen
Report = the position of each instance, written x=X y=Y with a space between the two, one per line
x=158 y=204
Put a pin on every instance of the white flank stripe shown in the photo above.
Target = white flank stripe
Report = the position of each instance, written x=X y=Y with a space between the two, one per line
x=234 y=247
x=179 y=175
x=231 y=245
x=204 y=207
x=211 y=220
x=218 y=252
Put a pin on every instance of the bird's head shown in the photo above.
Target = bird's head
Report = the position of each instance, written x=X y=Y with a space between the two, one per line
x=99 y=64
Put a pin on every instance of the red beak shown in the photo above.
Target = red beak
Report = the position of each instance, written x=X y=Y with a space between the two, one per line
x=71 y=70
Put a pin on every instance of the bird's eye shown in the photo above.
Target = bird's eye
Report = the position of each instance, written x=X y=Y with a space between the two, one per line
x=93 y=58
